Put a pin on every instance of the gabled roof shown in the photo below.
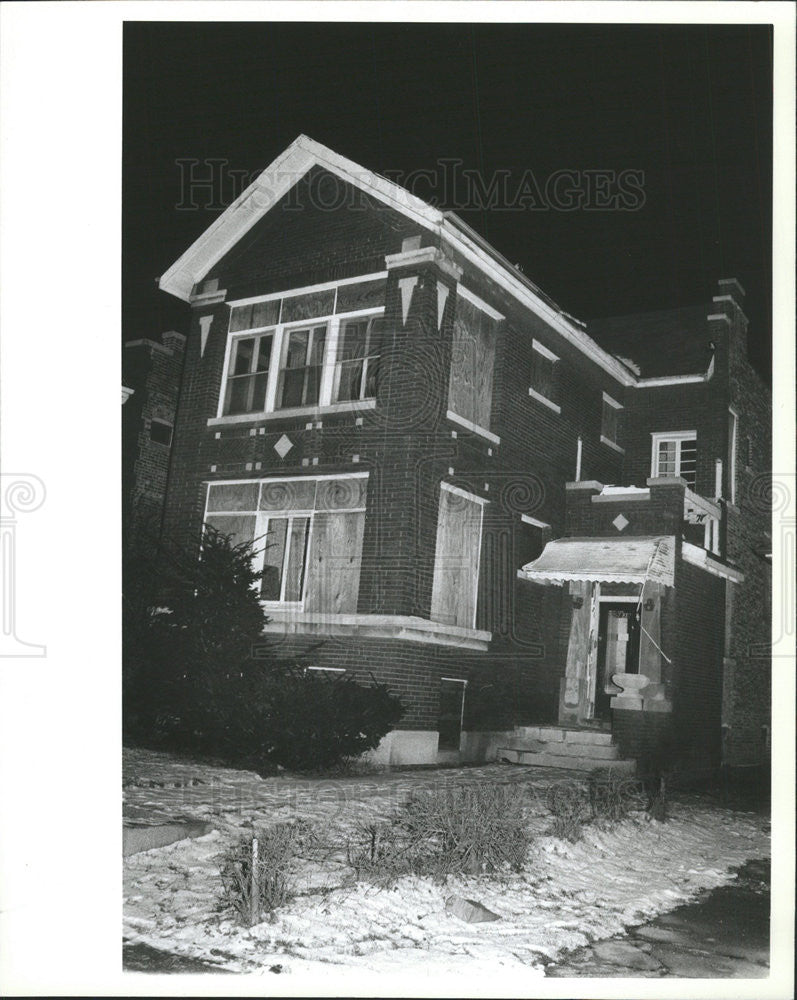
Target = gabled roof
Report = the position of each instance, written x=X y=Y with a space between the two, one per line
x=294 y=163
x=302 y=155
x=667 y=342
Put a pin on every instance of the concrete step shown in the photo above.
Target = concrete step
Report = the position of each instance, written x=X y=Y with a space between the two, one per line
x=596 y=751
x=558 y=734
x=517 y=755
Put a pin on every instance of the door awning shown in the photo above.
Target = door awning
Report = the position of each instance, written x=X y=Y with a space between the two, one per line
x=606 y=560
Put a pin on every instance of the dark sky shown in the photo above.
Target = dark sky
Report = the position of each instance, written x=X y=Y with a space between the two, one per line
x=689 y=106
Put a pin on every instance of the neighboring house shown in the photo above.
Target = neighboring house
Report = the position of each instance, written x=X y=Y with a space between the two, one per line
x=151 y=373
x=463 y=494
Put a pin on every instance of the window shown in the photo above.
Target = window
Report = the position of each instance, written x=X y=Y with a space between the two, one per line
x=300 y=372
x=160 y=432
x=545 y=376
x=285 y=559
x=733 y=432
x=304 y=349
x=306 y=536
x=470 y=390
x=358 y=358
x=609 y=420
x=675 y=454
x=248 y=374
x=456 y=561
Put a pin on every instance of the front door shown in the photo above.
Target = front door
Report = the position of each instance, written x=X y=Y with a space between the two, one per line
x=618 y=650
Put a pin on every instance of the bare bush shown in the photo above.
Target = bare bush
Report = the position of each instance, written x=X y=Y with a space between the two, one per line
x=257 y=872
x=459 y=830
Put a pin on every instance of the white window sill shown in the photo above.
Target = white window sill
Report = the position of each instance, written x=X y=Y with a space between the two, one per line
x=612 y=444
x=350 y=406
x=470 y=426
x=545 y=401
x=405 y=627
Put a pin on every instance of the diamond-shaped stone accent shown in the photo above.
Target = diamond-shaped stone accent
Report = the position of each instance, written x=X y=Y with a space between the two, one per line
x=283 y=446
x=620 y=522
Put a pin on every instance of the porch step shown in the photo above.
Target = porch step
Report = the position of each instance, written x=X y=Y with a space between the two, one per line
x=558 y=746
x=517 y=755
x=597 y=751
x=559 y=734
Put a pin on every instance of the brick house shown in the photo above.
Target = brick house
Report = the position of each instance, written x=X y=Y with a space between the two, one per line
x=545 y=536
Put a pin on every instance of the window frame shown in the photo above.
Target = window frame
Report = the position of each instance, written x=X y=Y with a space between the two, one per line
x=255 y=334
x=366 y=359
x=678 y=438
x=281 y=334
x=263 y=523
x=264 y=516
x=542 y=351
x=612 y=404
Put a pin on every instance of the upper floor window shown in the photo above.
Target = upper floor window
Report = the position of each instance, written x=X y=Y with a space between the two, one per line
x=247 y=378
x=304 y=349
x=358 y=358
x=675 y=454
x=301 y=367
x=545 y=376
x=610 y=420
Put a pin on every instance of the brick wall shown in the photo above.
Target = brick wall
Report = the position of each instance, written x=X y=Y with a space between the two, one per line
x=153 y=370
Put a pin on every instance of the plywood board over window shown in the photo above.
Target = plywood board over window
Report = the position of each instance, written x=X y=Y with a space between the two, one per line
x=456 y=565
x=335 y=559
x=472 y=361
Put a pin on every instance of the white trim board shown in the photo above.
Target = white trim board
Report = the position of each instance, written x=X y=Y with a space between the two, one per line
x=462 y=493
x=324 y=286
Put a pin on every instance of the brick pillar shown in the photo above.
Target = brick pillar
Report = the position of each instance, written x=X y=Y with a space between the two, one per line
x=398 y=546
x=199 y=396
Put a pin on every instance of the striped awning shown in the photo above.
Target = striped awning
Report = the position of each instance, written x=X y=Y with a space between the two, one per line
x=606 y=560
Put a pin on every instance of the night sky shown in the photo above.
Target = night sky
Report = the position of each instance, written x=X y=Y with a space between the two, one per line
x=690 y=106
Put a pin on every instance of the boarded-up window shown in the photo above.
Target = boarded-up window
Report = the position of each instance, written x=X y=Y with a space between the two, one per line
x=456 y=564
x=308 y=306
x=545 y=373
x=473 y=355
x=335 y=557
x=307 y=532
x=362 y=295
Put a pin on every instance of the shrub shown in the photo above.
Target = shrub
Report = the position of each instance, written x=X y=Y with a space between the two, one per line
x=568 y=802
x=252 y=889
x=612 y=795
x=199 y=677
x=459 y=830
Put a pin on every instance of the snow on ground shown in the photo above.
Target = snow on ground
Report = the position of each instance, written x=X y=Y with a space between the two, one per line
x=567 y=895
